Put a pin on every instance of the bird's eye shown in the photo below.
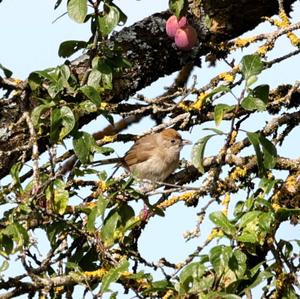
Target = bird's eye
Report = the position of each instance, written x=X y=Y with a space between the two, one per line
x=173 y=141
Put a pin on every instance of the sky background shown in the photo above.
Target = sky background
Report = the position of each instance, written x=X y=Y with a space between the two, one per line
x=30 y=41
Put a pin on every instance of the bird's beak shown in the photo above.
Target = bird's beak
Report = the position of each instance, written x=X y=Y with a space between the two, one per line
x=185 y=142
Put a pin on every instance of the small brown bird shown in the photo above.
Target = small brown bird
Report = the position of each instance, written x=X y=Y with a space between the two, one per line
x=153 y=157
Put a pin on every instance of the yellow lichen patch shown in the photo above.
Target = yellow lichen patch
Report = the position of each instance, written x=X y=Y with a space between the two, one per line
x=200 y=101
x=90 y=205
x=225 y=203
x=168 y=294
x=233 y=137
x=294 y=39
x=16 y=80
x=238 y=172
x=108 y=139
x=283 y=22
x=226 y=76
x=102 y=186
x=58 y=290
x=143 y=284
x=215 y=233
x=262 y=50
x=275 y=198
x=126 y=274
x=99 y=273
x=103 y=105
x=184 y=106
x=291 y=184
x=277 y=23
x=243 y=42
x=276 y=207
x=284 y=18
x=187 y=196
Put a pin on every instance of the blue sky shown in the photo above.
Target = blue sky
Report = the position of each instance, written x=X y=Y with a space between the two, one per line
x=29 y=41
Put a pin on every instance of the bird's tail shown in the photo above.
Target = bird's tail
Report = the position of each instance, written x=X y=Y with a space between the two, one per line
x=107 y=161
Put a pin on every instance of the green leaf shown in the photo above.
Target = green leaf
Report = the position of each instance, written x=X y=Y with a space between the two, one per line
x=283 y=214
x=221 y=295
x=110 y=19
x=247 y=237
x=113 y=275
x=176 y=6
x=238 y=263
x=18 y=233
x=64 y=74
x=48 y=74
x=55 y=124
x=6 y=244
x=262 y=92
x=90 y=225
x=34 y=81
x=91 y=93
x=98 y=211
x=254 y=139
x=53 y=75
x=38 y=110
x=249 y=217
x=54 y=231
x=251 y=66
x=109 y=227
x=267 y=184
x=251 y=80
x=198 y=152
x=113 y=295
x=219 y=257
x=68 y=121
x=188 y=275
x=221 y=88
x=8 y=73
x=106 y=75
x=69 y=47
x=94 y=79
x=269 y=151
x=101 y=205
x=4 y=266
x=83 y=143
x=250 y=103
x=217 y=131
x=15 y=173
x=88 y=106
x=127 y=218
x=61 y=196
x=77 y=10
x=122 y=17
x=104 y=150
x=266 y=220
x=262 y=276
x=157 y=287
x=219 y=111
x=221 y=220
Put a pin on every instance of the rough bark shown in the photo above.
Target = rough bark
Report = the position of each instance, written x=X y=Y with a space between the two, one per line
x=152 y=55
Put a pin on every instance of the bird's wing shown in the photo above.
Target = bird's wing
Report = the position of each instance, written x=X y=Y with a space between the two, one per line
x=141 y=151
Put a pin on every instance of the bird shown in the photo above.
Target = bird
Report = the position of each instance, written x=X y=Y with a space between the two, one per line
x=152 y=157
